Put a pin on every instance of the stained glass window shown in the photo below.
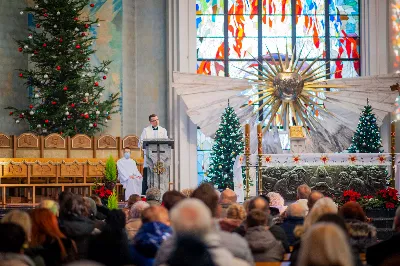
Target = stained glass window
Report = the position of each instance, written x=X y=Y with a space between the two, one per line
x=232 y=34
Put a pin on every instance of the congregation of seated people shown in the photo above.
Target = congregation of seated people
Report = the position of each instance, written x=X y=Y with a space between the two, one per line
x=197 y=227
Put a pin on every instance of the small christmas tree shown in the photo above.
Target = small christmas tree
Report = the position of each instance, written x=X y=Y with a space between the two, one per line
x=67 y=91
x=367 y=137
x=228 y=144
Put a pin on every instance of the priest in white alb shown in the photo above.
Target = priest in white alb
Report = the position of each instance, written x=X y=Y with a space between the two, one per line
x=129 y=176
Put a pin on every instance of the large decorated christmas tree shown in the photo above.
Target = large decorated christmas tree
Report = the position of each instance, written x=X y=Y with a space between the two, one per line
x=66 y=89
x=367 y=138
x=228 y=143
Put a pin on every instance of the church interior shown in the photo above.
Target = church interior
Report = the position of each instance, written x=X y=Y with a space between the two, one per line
x=271 y=124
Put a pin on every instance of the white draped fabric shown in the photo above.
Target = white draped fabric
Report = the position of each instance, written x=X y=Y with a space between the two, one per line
x=126 y=170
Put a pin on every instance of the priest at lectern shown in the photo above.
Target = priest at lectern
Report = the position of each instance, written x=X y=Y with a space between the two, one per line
x=129 y=176
x=154 y=131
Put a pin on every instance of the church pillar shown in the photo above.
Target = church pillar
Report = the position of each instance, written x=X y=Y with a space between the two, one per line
x=181 y=57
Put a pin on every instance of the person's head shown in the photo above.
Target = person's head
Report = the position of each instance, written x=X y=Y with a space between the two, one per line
x=258 y=203
x=191 y=216
x=153 y=119
x=127 y=153
x=22 y=219
x=275 y=199
x=228 y=196
x=116 y=220
x=12 y=238
x=313 y=197
x=97 y=200
x=153 y=193
x=321 y=207
x=256 y=218
x=74 y=205
x=92 y=206
x=396 y=221
x=50 y=205
x=133 y=199
x=44 y=228
x=206 y=193
x=187 y=192
x=296 y=210
x=190 y=251
x=303 y=191
x=171 y=198
x=352 y=211
x=64 y=196
x=334 y=219
x=236 y=211
x=325 y=244
x=137 y=209
x=155 y=214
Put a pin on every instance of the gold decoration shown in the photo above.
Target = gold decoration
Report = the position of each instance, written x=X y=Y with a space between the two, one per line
x=296 y=132
x=289 y=90
x=159 y=168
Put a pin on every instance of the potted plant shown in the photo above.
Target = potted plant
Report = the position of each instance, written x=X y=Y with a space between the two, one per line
x=105 y=187
x=110 y=173
x=390 y=200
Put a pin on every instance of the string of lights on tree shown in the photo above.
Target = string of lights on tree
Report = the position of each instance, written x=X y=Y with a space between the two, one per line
x=228 y=143
x=67 y=89
x=367 y=138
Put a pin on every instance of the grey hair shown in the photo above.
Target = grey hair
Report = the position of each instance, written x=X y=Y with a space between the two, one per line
x=296 y=210
x=191 y=216
x=137 y=209
x=153 y=194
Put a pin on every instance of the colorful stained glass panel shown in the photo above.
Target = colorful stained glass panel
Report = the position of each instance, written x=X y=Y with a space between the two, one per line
x=236 y=69
x=310 y=26
x=275 y=44
x=344 y=7
x=344 y=26
x=395 y=35
x=345 y=48
x=242 y=26
x=210 y=48
x=345 y=69
x=249 y=7
x=209 y=7
x=243 y=48
x=277 y=26
x=310 y=7
x=214 y=68
x=277 y=7
x=210 y=26
x=313 y=47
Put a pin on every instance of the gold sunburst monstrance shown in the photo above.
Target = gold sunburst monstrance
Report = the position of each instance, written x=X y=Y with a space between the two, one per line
x=287 y=88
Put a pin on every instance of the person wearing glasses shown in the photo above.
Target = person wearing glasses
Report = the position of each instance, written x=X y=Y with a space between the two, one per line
x=153 y=131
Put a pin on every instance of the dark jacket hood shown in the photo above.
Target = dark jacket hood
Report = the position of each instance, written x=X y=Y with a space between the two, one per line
x=74 y=226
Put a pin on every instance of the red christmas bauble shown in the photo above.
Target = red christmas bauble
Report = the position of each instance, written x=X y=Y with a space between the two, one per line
x=88 y=59
x=65 y=88
x=109 y=117
x=21 y=75
x=53 y=102
x=69 y=116
x=58 y=68
x=94 y=125
x=44 y=45
x=11 y=113
x=21 y=116
x=60 y=40
x=46 y=121
x=45 y=14
x=35 y=52
x=86 y=116
x=82 y=115
x=104 y=77
x=78 y=46
x=91 y=5
x=87 y=26
x=38 y=25
x=96 y=84
x=83 y=34
x=72 y=105
x=75 y=19
x=31 y=106
x=95 y=103
x=20 y=49
x=84 y=100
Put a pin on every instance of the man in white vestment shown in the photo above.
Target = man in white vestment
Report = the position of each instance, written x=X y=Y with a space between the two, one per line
x=129 y=176
x=153 y=131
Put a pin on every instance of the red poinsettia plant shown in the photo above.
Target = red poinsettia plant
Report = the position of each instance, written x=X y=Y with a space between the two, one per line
x=389 y=197
x=103 y=192
x=350 y=195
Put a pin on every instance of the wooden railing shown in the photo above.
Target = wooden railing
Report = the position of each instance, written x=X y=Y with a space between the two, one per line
x=36 y=167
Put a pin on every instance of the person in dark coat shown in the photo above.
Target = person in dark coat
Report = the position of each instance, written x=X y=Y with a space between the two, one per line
x=75 y=224
x=295 y=216
x=377 y=253
x=261 y=204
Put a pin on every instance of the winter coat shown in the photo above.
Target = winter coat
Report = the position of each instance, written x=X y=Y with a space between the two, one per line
x=15 y=259
x=221 y=256
x=50 y=251
x=263 y=245
x=149 y=238
x=362 y=235
x=377 y=253
x=132 y=227
x=78 y=229
x=288 y=226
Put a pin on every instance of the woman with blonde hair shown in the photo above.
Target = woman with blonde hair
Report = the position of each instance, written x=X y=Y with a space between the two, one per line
x=325 y=244
x=235 y=216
